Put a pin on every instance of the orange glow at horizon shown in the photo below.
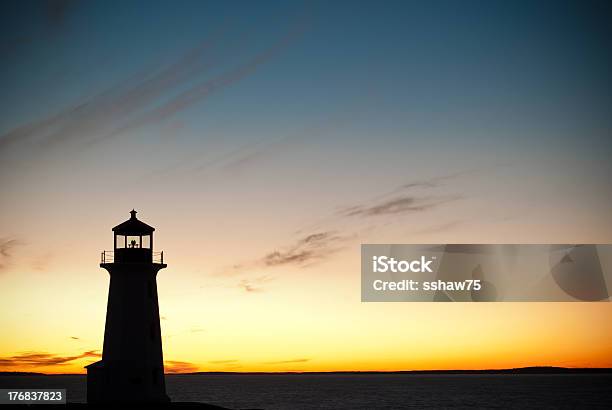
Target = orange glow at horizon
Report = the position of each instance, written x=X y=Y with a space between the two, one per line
x=221 y=310
x=309 y=328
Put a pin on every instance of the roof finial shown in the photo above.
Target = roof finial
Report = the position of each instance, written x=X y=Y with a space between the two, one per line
x=133 y=213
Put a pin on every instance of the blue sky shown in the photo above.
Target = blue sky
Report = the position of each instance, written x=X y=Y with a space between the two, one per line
x=326 y=103
x=482 y=63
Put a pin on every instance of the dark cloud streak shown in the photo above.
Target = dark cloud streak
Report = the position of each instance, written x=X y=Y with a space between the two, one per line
x=400 y=205
x=6 y=247
x=197 y=93
x=36 y=359
x=309 y=249
x=99 y=114
x=122 y=109
x=412 y=197
x=173 y=366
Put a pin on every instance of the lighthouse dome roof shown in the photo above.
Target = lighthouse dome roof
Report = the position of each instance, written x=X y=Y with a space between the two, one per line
x=133 y=226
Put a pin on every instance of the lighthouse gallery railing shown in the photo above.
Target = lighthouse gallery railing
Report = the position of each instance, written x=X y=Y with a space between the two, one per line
x=109 y=257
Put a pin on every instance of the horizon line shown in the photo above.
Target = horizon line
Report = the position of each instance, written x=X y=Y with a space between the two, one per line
x=523 y=370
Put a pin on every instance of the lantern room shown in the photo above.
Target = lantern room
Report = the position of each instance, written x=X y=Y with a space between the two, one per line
x=133 y=242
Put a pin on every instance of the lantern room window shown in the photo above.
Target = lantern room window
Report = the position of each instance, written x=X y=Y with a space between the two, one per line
x=120 y=242
x=133 y=242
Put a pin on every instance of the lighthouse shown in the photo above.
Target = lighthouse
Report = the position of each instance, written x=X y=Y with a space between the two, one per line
x=132 y=365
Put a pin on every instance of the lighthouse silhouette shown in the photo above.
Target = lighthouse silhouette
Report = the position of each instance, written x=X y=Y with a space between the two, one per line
x=132 y=365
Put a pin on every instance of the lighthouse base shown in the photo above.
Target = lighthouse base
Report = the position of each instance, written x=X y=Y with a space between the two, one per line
x=124 y=382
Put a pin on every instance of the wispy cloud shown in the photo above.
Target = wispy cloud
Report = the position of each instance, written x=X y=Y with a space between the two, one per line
x=173 y=366
x=411 y=197
x=197 y=330
x=227 y=361
x=400 y=205
x=307 y=250
x=146 y=99
x=436 y=181
x=238 y=159
x=40 y=359
x=193 y=95
x=6 y=247
x=255 y=284
x=226 y=365
x=331 y=235
x=102 y=114
x=288 y=361
x=304 y=252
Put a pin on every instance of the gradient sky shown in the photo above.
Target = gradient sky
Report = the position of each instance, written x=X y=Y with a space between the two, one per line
x=243 y=131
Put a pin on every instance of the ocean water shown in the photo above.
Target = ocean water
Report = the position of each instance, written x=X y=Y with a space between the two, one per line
x=366 y=391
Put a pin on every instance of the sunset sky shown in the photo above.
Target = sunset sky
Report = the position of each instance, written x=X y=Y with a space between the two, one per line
x=266 y=141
